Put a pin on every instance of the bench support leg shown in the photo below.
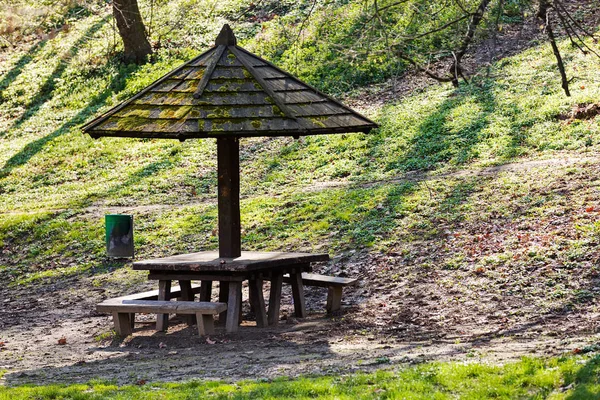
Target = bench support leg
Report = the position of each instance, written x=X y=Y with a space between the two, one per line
x=275 y=298
x=206 y=325
x=164 y=293
x=205 y=290
x=223 y=298
x=298 y=294
x=255 y=286
x=233 y=307
x=132 y=320
x=122 y=324
x=187 y=295
x=334 y=299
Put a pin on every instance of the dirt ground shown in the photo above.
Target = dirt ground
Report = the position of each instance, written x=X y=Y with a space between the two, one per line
x=378 y=328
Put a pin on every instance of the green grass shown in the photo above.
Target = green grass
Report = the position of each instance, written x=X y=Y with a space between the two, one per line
x=53 y=177
x=570 y=378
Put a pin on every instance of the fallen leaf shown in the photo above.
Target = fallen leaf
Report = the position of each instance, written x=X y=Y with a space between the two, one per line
x=208 y=341
x=141 y=382
x=2 y=344
x=590 y=209
x=62 y=341
x=577 y=350
x=479 y=271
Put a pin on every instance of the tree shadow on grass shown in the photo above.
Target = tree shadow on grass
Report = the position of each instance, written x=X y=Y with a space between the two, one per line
x=18 y=67
x=46 y=90
x=21 y=158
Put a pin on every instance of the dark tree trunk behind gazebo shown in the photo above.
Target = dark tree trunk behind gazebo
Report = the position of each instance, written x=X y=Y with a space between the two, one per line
x=132 y=31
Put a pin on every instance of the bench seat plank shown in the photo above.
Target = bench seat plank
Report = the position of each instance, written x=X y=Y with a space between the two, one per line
x=322 y=280
x=156 y=306
x=153 y=294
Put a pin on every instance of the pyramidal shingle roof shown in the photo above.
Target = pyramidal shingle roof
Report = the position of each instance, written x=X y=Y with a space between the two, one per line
x=227 y=91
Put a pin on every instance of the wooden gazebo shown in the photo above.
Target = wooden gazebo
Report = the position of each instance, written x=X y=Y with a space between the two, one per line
x=227 y=93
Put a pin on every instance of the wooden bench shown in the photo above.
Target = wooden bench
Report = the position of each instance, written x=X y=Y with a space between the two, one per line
x=153 y=294
x=332 y=283
x=122 y=309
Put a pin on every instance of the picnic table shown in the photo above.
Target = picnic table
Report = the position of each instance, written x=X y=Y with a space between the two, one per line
x=253 y=266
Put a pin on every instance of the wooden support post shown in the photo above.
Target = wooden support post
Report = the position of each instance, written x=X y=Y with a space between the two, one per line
x=234 y=306
x=164 y=293
x=228 y=171
x=187 y=295
x=255 y=287
x=206 y=325
x=205 y=290
x=334 y=299
x=275 y=298
x=298 y=293
x=223 y=298
x=122 y=324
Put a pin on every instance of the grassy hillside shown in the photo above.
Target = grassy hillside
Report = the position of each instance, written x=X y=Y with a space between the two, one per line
x=57 y=183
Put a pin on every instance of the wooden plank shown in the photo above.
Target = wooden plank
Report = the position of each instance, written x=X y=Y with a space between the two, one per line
x=206 y=324
x=323 y=280
x=233 y=86
x=187 y=295
x=210 y=68
x=165 y=125
x=122 y=323
x=283 y=84
x=267 y=72
x=230 y=73
x=228 y=176
x=153 y=294
x=206 y=290
x=275 y=298
x=255 y=287
x=164 y=294
x=316 y=109
x=303 y=96
x=298 y=295
x=334 y=299
x=223 y=298
x=208 y=99
x=247 y=111
x=233 y=305
x=197 y=276
x=161 y=306
x=210 y=262
x=254 y=125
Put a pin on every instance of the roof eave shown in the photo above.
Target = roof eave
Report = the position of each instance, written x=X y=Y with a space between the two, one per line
x=96 y=134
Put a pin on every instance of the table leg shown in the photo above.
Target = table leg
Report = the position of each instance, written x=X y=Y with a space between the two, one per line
x=255 y=287
x=275 y=298
x=223 y=298
x=187 y=295
x=298 y=294
x=234 y=306
x=205 y=290
x=164 y=293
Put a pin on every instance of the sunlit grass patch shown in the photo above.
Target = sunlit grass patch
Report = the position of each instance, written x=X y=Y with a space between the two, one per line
x=557 y=378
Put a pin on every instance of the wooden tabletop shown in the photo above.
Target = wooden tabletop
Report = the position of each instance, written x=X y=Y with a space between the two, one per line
x=209 y=261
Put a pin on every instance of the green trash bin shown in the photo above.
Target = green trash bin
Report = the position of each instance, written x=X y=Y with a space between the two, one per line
x=119 y=235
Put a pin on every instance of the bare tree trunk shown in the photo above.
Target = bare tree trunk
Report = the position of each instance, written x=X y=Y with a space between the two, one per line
x=132 y=31
x=455 y=68
x=543 y=14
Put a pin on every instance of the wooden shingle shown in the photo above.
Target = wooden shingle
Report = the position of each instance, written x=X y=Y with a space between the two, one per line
x=227 y=92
